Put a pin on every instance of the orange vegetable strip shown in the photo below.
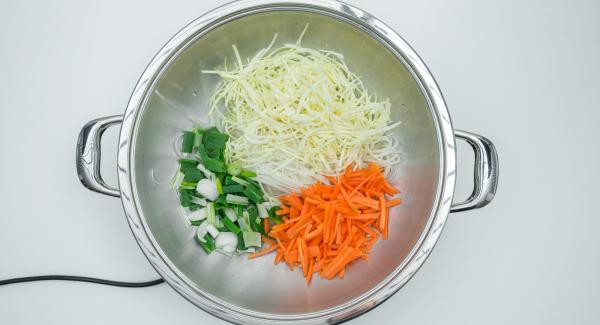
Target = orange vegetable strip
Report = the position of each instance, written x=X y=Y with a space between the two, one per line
x=279 y=256
x=365 y=216
x=262 y=252
x=310 y=271
x=269 y=241
x=392 y=203
x=374 y=204
x=294 y=212
x=283 y=210
x=327 y=231
x=383 y=223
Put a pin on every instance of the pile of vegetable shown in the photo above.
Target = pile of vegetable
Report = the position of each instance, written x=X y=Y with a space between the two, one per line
x=301 y=162
x=295 y=114
x=223 y=201
x=327 y=226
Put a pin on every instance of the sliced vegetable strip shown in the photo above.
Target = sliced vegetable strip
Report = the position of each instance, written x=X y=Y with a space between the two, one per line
x=328 y=226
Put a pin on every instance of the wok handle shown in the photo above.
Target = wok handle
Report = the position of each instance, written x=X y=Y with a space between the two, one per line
x=88 y=155
x=486 y=172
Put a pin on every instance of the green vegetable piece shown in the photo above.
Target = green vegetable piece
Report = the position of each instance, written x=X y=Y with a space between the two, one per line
x=185 y=198
x=251 y=238
x=214 y=165
x=192 y=175
x=234 y=169
x=241 y=245
x=187 y=144
x=202 y=152
x=273 y=216
x=213 y=139
x=237 y=188
x=187 y=164
x=194 y=207
x=197 y=136
x=255 y=195
x=208 y=245
x=219 y=186
x=188 y=185
x=247 y=173
x=231 y=226
x=229 y=181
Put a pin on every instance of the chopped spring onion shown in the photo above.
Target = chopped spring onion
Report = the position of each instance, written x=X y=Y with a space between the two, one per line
x=207 y=173
x=211 y=215
x=230 y=225
x=253 y=193
x=252 y=239
x=214 y=165
x=227 y=242
x=197 y=216
x=177 y=180
x=240 y=181
x=187 y=163
x=296 y=113
x=262 y=211
x=247 y=173
x=199 y=201
x=213 y=139
x=197 y=137
x=219 y=186
x=207 y=243
x=244 y=222
x=237 y=188
x=208 y=189
x=236 y=199
x=192 y=175
x=201 y=231
x=230 y=214
x=185 y=198
x=212 y=230
x=187 y=145
x=234 y=168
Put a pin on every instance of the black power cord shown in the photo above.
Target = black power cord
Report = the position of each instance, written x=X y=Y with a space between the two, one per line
x=82 y=279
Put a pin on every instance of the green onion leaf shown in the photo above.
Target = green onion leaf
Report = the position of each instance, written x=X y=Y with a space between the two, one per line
x=231 y=226
x=237 y=188
x=214 y=165
x=177 y=180
x=254 y=194
x=185 y=198
x=219 y=186
x=192 y=175
x=247 y=173
x=187 y=163
x=239 y=181
x=197 y=137
x=213 y=139
x=252 y=239
x=187 y=144
x=208 y=245
x=236 y=199
x=234 y=168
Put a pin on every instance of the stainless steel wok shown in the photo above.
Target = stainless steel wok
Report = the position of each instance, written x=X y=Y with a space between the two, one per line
x=172 y=96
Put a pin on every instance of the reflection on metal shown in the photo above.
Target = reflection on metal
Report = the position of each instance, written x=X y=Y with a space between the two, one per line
x=88 y=155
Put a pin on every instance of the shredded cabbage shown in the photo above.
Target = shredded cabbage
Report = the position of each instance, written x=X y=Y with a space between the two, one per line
x=295 y=114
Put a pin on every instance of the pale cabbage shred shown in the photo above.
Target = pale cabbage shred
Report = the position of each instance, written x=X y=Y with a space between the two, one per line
x=296 y=114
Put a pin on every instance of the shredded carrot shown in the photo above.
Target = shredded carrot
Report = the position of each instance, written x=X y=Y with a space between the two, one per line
x=262 y=252
x=329 y=226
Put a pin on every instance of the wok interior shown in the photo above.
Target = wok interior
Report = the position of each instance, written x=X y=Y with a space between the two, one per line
x=179 y=101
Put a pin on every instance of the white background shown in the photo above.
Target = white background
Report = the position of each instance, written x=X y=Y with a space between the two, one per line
x=523 y=73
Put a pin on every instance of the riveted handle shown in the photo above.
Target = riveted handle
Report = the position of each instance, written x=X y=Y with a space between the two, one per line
x=88 y=155
x=486 y=172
